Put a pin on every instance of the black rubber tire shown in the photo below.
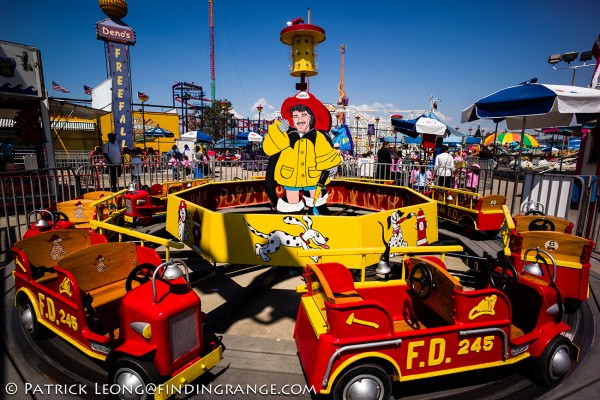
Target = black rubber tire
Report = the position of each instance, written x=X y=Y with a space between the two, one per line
x=543 y=369
x=143 y=371
x=378 y=376
x=34 y=329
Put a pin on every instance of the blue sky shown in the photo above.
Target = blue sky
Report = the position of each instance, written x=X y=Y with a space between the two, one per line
x=398 y=53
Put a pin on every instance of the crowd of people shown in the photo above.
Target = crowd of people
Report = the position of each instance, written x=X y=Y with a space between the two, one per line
x=417 y=169
x=183 y=164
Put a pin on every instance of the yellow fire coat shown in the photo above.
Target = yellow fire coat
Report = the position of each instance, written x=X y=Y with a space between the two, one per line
x=302 y=159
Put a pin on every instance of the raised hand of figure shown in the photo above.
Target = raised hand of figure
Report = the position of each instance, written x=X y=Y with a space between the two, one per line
x=284 y=125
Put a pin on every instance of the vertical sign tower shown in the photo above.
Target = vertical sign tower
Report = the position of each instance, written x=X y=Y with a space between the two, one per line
x=118 y=36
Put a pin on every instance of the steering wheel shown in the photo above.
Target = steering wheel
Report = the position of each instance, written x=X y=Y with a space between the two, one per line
x=503 y=276
x=541 y=224
x=58 y=216
x=421 y=280
x=140 y=274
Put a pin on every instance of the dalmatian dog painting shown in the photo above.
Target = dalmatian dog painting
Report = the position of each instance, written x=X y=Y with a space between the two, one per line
x=278 y=238
x=397 y=238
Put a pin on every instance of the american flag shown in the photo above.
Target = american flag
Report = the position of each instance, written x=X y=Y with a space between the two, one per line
x=87 y=90
x=58 y=88
x=143 y=97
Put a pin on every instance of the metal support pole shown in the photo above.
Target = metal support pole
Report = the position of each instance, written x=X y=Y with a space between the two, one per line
x=143 y=125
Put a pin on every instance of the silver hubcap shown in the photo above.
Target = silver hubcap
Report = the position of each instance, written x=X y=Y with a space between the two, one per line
x=560 y=363
x=131 y=385
x=364 y=387
x=27 y=318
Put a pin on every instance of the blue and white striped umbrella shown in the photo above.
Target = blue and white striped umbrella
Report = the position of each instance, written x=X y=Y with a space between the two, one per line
x=535 y=105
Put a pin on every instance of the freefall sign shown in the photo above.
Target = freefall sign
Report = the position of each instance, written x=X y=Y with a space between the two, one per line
x=118 y=36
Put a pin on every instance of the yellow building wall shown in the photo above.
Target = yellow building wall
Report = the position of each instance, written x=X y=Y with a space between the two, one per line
x=168 y=121
x=67 y=140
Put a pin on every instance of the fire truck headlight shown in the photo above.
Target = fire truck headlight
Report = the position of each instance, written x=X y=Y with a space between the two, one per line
x=144 y=329
x=140 y=202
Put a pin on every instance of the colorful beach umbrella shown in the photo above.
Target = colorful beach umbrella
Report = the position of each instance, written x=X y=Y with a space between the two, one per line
x=510 y=137
x=197 y=136
x=419 y=125
x=535 y=105
x=250 y=136
x=530 y=105
x=159 y=132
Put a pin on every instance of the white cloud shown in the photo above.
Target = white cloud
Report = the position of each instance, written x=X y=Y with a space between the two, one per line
x=269 y=111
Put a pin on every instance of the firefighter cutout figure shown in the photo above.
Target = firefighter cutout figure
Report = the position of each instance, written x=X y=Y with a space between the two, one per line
x=302 y=156
x=100 y=266
x=196 y=231
x=183 y=228
x=421 y=227
x=79 y=213
x=57 y=251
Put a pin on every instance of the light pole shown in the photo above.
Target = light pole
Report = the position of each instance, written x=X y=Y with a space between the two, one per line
x=377 y=119
x=143 y=98
x=186 y=97
x=259 y=108
x=357 y=118
x=569 y=57
x=224 y=109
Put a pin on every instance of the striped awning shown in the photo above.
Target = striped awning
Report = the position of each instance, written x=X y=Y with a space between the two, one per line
x=57 y=125
x=73 y=126
x=7 y=122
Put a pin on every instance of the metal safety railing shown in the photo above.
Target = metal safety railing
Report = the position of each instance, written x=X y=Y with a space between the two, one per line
x=568 y=196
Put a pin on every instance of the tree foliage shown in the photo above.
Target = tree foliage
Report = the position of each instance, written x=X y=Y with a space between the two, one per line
x=215 y=121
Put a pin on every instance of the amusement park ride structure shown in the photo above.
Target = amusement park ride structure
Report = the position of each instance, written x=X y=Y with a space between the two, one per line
x=343 y=114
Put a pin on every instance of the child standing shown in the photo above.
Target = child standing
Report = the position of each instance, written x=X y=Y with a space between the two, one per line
x=187 y=166
x=420 y=178
x=136 y=167
x=473 y=178
x=174 y=164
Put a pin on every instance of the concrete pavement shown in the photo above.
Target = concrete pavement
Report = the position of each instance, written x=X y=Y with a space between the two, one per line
x=256 y=325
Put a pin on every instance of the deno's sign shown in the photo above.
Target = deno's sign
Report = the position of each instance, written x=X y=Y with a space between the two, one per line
x=110 y=31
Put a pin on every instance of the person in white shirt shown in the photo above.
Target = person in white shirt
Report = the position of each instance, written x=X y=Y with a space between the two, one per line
x=443 y=167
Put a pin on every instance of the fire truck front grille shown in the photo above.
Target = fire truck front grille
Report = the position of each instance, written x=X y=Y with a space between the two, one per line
x=184 y=333
x=128 y=205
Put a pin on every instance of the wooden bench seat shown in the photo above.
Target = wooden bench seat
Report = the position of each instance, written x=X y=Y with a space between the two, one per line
x=560 y=224
x=102 y=270
x=97 y=195
x=441 y=297
x=491 y=203
x=567 y=250
x=79 y=212
x=44 y=251
x=406 y=326
x=515 y=332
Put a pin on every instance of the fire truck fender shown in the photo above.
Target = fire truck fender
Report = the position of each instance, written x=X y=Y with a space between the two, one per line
x=132 y=348
x=24 y=293
x=548 y=333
